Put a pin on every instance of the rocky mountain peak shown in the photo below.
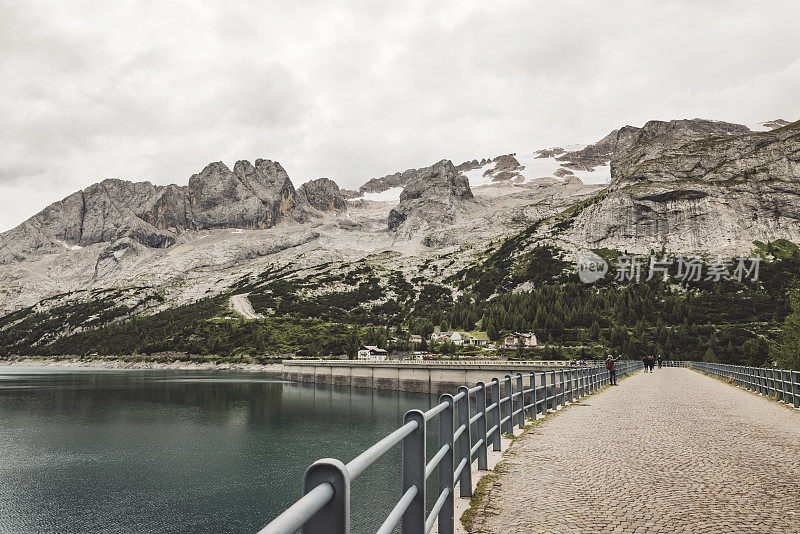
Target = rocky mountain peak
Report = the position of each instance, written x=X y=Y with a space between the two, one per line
x=433 y=197
x=249 y=196
x=697 y=186
x=322 y=194
x=657 y=139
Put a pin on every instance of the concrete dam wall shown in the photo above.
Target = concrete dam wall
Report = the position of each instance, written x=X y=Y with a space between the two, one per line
x=434 y=377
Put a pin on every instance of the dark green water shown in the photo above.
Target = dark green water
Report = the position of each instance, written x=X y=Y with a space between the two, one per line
x=181 y=451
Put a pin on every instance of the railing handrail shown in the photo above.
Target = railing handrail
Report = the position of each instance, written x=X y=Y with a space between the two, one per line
x=781 y=384
x=325 y=505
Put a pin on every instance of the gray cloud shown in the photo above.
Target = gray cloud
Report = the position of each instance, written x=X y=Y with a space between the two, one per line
x=356 y=89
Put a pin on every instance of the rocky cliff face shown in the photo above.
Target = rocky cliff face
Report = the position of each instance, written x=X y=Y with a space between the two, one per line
x=434 y=197
x=322 y=195
x=250 y=197
x=101 y=212
x=696 y=186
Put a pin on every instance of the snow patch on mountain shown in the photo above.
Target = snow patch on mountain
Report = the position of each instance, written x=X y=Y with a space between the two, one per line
x=390 y=195
x=535 y=168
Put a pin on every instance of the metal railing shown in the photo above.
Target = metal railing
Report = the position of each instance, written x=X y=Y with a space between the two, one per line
x=781 y=384
x=464 y=438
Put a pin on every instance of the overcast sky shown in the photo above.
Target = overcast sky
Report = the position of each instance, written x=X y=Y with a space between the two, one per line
x=154 y=90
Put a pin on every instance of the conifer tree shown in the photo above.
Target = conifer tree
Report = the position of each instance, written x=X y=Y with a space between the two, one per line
x=787 y=349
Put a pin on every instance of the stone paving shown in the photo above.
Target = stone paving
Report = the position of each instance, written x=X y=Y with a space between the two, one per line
x=671 y=451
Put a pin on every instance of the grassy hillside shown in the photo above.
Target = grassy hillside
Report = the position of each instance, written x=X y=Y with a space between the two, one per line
x=332 y=309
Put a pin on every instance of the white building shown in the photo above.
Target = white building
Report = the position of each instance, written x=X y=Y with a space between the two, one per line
x=453 y=337
x=526 y=340
x=371 y=352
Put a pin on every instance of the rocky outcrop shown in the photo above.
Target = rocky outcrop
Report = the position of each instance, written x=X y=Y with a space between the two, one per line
x=379 y=185
x=696 y=186
x=100 y=213
x=434 y=197
x=471 y=165
x=593 y=155
x=322 y=195
x=601 y=152
x=777 y=123
x=506 y=168
x=251 y=196
x=549 y=152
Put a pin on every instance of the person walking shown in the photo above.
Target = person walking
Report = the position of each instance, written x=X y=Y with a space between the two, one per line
x=660 y=360
x=611 y=365
x=646 y=363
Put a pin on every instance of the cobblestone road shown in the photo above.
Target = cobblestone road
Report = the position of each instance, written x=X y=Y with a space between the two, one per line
x=672 y=451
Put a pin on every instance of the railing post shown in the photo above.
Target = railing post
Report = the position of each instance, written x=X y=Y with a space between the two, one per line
x=766 y=382
x=464 y=445
x=414 y=473
x=587 y=386
x=786 y=378
x=508 y=406
x=782 y=391
x=521 y=402
x=573 y=384
x=496 y=411
x=795 y=388
x=567 y=382
x=554 y=403
x=774 y=392
x=563 y=388
x=535 y=412
x=480 y=401
x=445 y=467
x=334 y=518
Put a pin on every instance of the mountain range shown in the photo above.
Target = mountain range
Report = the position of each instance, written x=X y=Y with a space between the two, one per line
x=684 y=186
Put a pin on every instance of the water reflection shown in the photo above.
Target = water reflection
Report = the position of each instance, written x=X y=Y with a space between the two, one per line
x=178 y=451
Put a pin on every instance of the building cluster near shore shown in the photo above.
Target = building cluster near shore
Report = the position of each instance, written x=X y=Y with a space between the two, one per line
x=516 y=340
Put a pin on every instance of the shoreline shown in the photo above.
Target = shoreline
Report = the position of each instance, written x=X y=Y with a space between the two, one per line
x=144 y=365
